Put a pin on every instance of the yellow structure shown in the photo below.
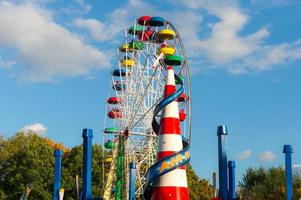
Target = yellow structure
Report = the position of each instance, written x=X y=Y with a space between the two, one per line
x=167 y=50
x=108 y=160
x=124 y=48
x=166 y=34
x=57 y=146
x=127 y=63
x=111 y=177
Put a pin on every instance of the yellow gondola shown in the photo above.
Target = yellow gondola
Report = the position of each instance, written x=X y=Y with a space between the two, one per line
x=167 y=50
x=166 y=34
x=127 y=63
x=124 y=48
x=108 y=160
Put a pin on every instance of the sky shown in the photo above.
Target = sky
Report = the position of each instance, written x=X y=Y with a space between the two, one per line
x=245 y=56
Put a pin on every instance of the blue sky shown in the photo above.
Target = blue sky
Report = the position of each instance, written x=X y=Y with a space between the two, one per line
x=56 y=58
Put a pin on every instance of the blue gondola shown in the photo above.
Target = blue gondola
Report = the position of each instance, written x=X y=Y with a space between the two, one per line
x=119 y=72
x=156 y=21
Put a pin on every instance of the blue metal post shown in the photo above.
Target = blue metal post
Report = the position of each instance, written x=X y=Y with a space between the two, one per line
x=214 y=184
x=288 y=150
x=222 y=162
x=87 y=164
x=232 y=191
x=132 y=188
x=57 y=173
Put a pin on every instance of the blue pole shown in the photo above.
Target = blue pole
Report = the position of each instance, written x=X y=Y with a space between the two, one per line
x=87 y=164
x=222 y=162
x=288 y=150
x=232 y=192
x=214 y=184
x=57 y=173
x=132 y=188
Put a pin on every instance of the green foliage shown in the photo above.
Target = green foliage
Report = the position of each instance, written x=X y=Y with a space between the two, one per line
x=266 y=184
x=72 y=166
x=28 y=159
x=199 y=189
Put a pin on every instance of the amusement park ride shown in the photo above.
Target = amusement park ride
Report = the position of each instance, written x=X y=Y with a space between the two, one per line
x=148 y=127
x=149 y=115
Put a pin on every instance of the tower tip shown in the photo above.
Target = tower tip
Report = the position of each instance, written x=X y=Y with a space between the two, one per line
x=222 y=130
x=287 y=148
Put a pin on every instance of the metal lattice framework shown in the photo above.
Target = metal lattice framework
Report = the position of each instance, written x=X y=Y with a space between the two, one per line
x=138 y=86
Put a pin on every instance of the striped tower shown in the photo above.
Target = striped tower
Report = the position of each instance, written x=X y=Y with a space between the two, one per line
x=173 y=185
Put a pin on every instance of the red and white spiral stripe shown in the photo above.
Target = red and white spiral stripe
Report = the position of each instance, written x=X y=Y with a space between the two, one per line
x=173 y=185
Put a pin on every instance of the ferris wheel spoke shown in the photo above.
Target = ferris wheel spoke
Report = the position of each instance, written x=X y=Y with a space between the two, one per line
x=139 y=85
x=140 y=81
x=141 y=77
x=150 y=109
x=148 y=85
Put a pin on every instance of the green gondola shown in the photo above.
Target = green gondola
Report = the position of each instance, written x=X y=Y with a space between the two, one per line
x=173 y=60
x=110 y=144
x=111 y=130
x=136 y=45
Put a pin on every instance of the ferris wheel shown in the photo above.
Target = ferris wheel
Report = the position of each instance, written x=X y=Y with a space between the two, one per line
x=138 y=81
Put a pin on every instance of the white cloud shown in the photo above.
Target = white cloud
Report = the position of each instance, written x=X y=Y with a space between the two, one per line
x=224 y=44
x=84 y=6
x=244 y=155
x=297 y=169
x=71 y=9
x=45 y=50
x=117 y=22
x=5 y=63
x=277 y=3
x=267 y=156
x=237 y=69
x=274 y=55
x=222 y=47
x=225 y=47
x=267 y=58
x=97 y=29
x=34 y=128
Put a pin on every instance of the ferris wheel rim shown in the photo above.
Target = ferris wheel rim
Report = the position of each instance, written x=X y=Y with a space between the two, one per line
x=188 y=77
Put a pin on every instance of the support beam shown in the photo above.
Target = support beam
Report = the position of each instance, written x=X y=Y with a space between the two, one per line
x=288 y=150
x=214 y=184
x=222 y=162
x=132 y=184
x=57 y=173
x=232 y=190
x=87 y=164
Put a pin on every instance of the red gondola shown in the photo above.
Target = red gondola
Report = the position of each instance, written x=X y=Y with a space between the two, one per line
x=182 y=97
x=146 y=35
x=144 y=20
x=115 y=114
x=114 y=100
x=182 y=115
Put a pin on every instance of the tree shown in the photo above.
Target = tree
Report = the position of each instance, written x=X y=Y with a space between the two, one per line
x=266 y=184
x=72 y=166
x=199 y=189
x=26 y=159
